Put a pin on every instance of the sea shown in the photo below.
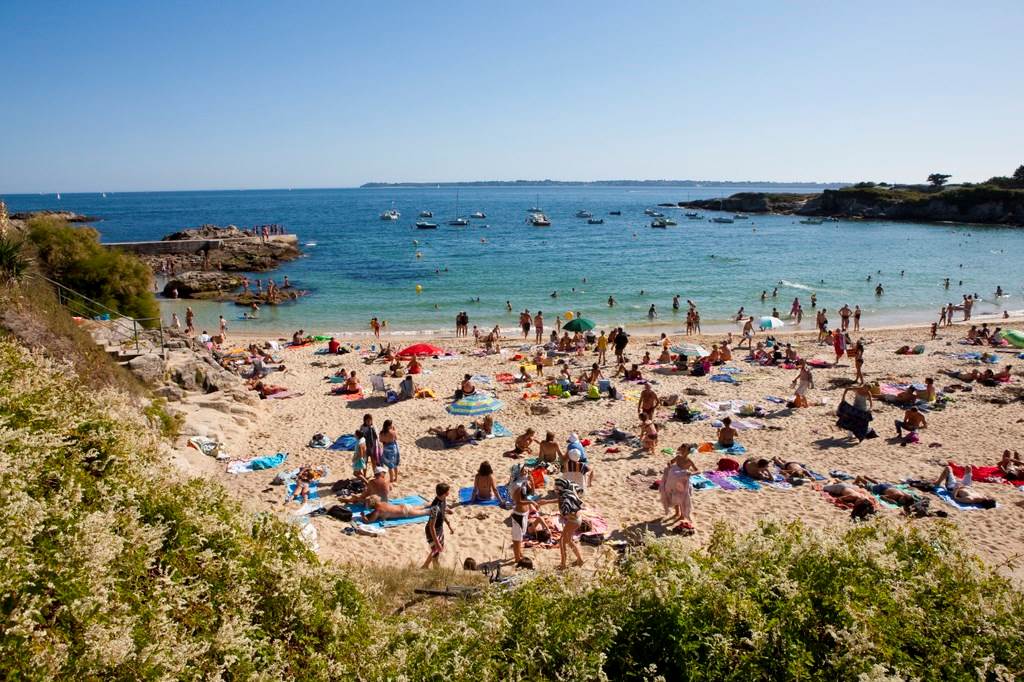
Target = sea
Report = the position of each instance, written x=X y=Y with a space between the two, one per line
x=356 y=266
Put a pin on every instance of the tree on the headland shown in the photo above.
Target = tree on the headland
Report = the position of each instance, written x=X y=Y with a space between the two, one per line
x=938 y=179
x=1018 y=175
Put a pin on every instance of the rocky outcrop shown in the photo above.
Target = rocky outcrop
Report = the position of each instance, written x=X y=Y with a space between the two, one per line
x=210 y=247
x=752 y=202
x=69 y=216
x=209 y=285
x=985 y=205
x=207 y=232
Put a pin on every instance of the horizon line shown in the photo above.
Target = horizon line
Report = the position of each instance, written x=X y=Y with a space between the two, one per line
x=421 y=184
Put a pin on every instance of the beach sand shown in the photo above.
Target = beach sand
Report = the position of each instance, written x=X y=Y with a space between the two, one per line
x=971 y=430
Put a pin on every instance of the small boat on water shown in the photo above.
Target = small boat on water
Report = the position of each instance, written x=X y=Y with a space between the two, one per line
x=811 y=221
x=724 y=221
x=655 y=214
x=539 y=220
x=584 y=214
x=426 y=214
x=648 y=211
x=669 y=221
x=695 y=216
x=691 y=214
x=741 y=216
x=595 y=221
x=390 y=214
x=614 y=212
x=424 y=225
x=479 y=215
x=659 y=223
x=459 y=221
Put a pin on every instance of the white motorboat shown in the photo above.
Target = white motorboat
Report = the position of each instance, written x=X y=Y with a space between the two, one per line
x=426 y=214
x=539 y=220
x=480 y=215
x=724 y=221
x=424 y=225
x=584 y=214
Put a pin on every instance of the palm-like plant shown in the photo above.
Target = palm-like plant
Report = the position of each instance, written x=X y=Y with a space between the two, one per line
x=13 y=261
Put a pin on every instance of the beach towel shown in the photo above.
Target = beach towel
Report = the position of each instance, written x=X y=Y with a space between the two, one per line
x=411 y=500
x=312 y=500
x=990 y=474
x=818 y=362
x=245 y=466
x=284 y=394
x=702 y=482
x=337 y=380
x=734 y=449
x=346 y=442
x=505 y=378
x=348 y=396
x=775 y=399
x=743 y=481
x=466 y=497
x=724 y=378
x=833 y=500
x=499 y=431
x=722 y=479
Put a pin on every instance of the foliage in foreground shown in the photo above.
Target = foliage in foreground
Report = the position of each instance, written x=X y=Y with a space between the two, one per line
x=74 y=257
x=782 y=602
x=115 y=569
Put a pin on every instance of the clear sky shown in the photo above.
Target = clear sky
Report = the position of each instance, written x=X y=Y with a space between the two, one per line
x=203 y=95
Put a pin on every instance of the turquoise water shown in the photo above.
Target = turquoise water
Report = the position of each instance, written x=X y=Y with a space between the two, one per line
x=361 y=266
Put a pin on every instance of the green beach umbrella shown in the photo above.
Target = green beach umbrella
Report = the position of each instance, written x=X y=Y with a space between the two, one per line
x=475 y=405
x=578 y=324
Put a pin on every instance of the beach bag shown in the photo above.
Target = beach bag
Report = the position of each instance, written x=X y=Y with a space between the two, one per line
x=682 y=413
x=339 y=512
x=728 y=464
x=593 y=539
x=537 y=478
x=613 y=393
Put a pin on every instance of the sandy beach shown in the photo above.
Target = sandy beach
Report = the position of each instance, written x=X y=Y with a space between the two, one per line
x=973 y=429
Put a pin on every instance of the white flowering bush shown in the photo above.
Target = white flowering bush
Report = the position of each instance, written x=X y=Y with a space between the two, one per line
x=111 y=567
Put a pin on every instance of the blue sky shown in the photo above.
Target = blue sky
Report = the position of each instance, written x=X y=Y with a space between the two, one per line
x=143 y=96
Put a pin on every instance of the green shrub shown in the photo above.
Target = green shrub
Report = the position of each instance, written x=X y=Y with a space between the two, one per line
x=115 y=569
x=168 y=424
x=782 y=602
x=74 y=257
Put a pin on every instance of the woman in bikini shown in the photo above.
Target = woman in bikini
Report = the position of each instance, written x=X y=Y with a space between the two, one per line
x=484 y=487
x=676 y=489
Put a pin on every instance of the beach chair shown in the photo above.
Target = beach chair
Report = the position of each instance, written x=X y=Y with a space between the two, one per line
x=377 y=382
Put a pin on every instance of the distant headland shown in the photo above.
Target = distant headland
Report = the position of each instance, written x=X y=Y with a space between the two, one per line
x=608 y=183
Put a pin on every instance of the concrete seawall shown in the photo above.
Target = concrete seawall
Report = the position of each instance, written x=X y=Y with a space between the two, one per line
x=194 y=246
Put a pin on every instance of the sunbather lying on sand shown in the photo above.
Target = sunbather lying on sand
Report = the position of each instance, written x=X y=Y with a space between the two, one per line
x=757 y=469
x=267 y=389
x=380 y=510
x=887 y=491
x=792 y=471
x=960 y=490
x=451 y=435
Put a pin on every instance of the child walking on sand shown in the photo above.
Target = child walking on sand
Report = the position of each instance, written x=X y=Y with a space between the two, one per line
x=436 y=523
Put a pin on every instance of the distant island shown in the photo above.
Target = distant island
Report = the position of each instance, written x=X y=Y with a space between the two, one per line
x=608 y=183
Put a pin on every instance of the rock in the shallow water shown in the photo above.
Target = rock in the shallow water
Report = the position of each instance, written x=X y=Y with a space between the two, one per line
x=196 y=284
x=69 y=216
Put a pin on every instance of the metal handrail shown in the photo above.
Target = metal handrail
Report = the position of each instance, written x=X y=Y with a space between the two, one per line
x=120 y=319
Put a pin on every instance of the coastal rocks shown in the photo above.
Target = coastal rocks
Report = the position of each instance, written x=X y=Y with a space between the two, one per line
x=68 y=216
x=752 y=202
x=210 y=247
x=202 y=284
x=149 y=368
x=206 y=232
x=967 y=205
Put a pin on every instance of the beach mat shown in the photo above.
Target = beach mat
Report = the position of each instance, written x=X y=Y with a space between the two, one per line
x=466 y=495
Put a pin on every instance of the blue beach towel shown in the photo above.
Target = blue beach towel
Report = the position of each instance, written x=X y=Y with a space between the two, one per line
x=775 y=399
x=724 y=378
x=345 y=442
x=466 y=495
x=702 y=482
x=734 y=449
x=745 y=482
x=314 y=492
x=268 y=461
x=499 y=431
